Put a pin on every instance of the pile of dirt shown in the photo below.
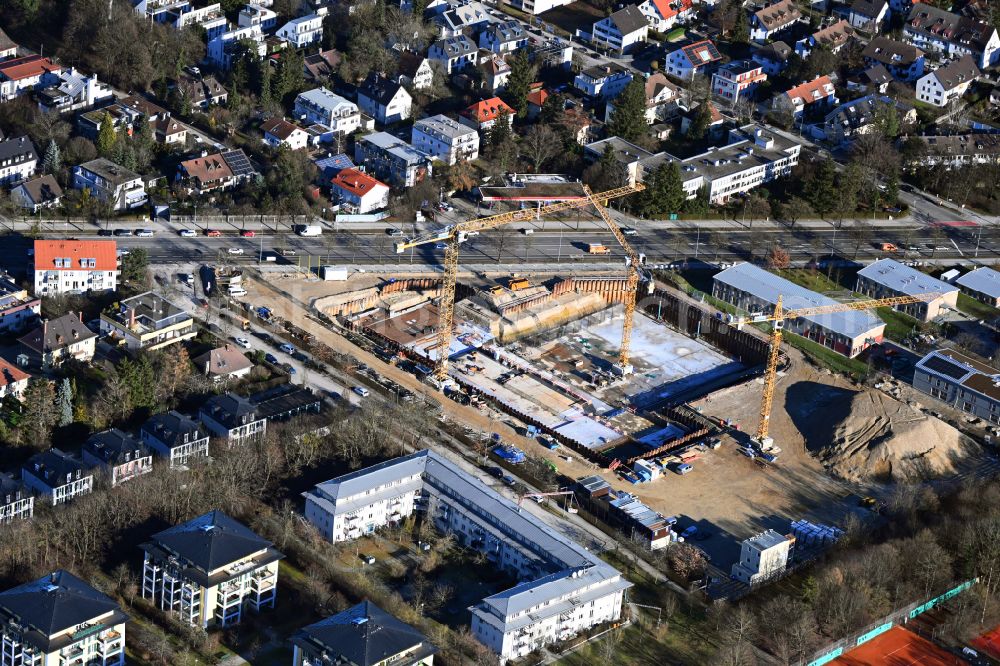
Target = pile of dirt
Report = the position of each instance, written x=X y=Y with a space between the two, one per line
x=868 y=435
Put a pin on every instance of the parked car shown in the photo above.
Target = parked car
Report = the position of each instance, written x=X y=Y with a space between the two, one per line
x=186 y=233
x=689 y=532
x=144 y=233
x=123 y=232
x=508 y=479
x=362 y=391
x=104 y=232
x=629 y=231
x=213 y=233
x=394 y=232
x=248 y=233
x=287 y=348
x=270 y=358
x=299 y=356
x=367 y=559
x=495 y=471
x=683 y=469
x=242 y=342
x=289 y=368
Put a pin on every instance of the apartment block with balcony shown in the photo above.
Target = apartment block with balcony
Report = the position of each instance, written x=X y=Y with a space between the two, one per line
x=305 y=30
x=111 y=183
x=17 y=309
x=207 y=570
x=175 y=437
x=738 y=80
x=445 y=139
x=17 y=502
x=232 y=418
x=323 y=107
x=59 y=620
x=147 y=322
x=118 y=454
x=58 y=476
x=74 y=267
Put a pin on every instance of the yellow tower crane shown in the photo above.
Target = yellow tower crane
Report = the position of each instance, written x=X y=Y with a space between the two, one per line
x=778 y=318
x=455 y=235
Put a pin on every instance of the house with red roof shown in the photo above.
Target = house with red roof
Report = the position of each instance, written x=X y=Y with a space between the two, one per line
x=74 y=266
x=279 y=132
x=536 y=100
x=13 y=380
x=692 y=59
x=359 y=193
x=20 y=75
x=662 y=15
x=484 y=114
x=819 y=92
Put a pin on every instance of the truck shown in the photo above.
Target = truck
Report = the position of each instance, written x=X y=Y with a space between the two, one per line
x=337 y=273
x=598 y=248
x=308 y=229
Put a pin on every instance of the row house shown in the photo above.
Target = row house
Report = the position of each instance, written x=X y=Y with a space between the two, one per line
x=176 y=438
x=73 y=91
x=279 y=133
x=18 y=159
x=393 y=160
x=16 y=500
x=286 y=401
x=816 y=94
x=57 y=476
x=982 y=284
x=384 y=100
x=358 y=193
x=773 y=20
x=110 y=183
x=621 y=31
x=19 y=76
x=506 y=37
x=662 y=15
x=205 y=571
x=321 y=106
x=305 y=30
x=606 y=81
x=948 y=83
x=118 y=454
x=738 y=80
x=59 y=340
x=951 y=35
x=959 y=149
x=833 y=37
x=74 y=267
x=61 y=620
x=687 y=61
x=453 y=53
x=904 y=61
x=868 y=15
x=887 y=278
x=146 y=322
x=233 y=418
x=961 y=382
x=445 y=139
x=857 y=117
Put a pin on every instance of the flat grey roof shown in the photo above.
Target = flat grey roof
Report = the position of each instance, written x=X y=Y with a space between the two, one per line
x=984 y=280
x=767 y=539
x=904 y=279
x=768 y=286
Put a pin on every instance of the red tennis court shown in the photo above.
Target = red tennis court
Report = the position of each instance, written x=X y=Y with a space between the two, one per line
x=898 y=647
x=989 y=643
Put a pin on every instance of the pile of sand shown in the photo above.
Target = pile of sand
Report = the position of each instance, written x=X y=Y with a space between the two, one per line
x=868 y=435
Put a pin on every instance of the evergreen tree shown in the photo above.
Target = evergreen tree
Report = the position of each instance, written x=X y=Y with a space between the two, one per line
x=52 y=162
x=64 y=403
x=628 y=119
x=140 y=380
x=553 y=109
x=701 y=122
x=500 y=132
x=107 y=136
x=291 y=75
x=741 y=28
x=522 y=75
x=821 y=191
x=699 y=205
x=39 y=413
x=267 y=86
x=664 y=191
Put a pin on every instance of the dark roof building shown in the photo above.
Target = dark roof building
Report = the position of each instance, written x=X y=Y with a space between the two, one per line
x=58 y=475
x=174 y=436
x=211 y=542
x=232 y=416
x=363 y=635
x=119 y=454
x=37 y=193
x=285 y=401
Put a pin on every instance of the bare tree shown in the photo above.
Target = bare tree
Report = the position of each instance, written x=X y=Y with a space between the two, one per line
x=540 y=144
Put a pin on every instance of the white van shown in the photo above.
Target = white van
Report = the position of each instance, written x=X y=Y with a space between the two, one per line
x=309 y=230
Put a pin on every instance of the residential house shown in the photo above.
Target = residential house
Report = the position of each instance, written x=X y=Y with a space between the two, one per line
x=536 y=7
x=59 y=340
x=37 y=194
x=959 y=149
x=16 y=501
x=951 y=35
x=886 y=278
x=332 y=165
x=206 y=570
x=493 y=71
x=111 y=183
x=904 y=61
x=74 y=267
x=868 y=15
x=662 y=15
x=606 y=81
x=961 y=382
x=8 y=49
x=833 y=37
x=484 y=114
x=738 y=80
x=504 y=37
x=321 y=66
x=773 y=20
x=414 y=70
x=233 y=418
x=175 y=437
x=813 y=95
x=210 y=18
x=392 y=159
x=279 y=133
x=661 y=97
x=286 y=401
x=453 y=53
x=949 y=82
x=118 y=454
x=692 y=59
x=536 y=101
x=201 y=92
x=21 y=75
x=224 y=363
x=146 y=322
x=384 y=100
x=773 y=58
x=873 y=80
x=858 y=116
x=17 y=308
x=621 y=31
x=72 y=91
x=258 y=15
x=357 y=192
x=579 y=123
x=305 y=30
x=982 y=284
x=57 y=476
x=364 y=635
x=445 y=139
x=552 y=53
x=456 y=18
x=201 y=175
x=323 y=107
x=59 y=619
x=223 y=47
x=13 y=381
x=18 y=159
x=166 y=130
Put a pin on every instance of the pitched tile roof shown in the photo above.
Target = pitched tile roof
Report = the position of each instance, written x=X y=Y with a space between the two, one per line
x=211 y=541
x=356 y=182
x=868 y=8
x=891 y=52
x=11 y=374
x=6 y=43
x=811 y=91
x=486 y=110
x=379 y=89
x=409 y=63
x=41 y=189
x=57 y=602
x=104 y=253
x=778 y=15
x=25 y=67
x=629 y=19
x=701 y=53
x=538 y=97
x=670 y=8
x=207 y=170
x=279 y=128
x=58 y=333
x=957 y=72
x=834 y=35
x=223 y=361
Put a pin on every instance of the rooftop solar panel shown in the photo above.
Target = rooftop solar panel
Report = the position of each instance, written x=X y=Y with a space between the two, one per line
x=238 y=162
x=945 y=367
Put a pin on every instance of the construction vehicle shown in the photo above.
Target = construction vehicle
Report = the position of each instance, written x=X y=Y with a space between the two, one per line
x=598 y=248
x=453 y=236
x=516 y=284
x=777 y=319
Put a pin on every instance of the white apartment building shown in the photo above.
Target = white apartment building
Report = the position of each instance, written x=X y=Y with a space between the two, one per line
x=19 y=76
x=73 y=267
x=621 y=31
x=147 y=321
x=947 y=83
x=58 y=476
x=323 y=107
x=259 y=15
x=453 y=53
x=304 y=30
x=111 y=183
x=536 y=7
x=209 y=18
x=738 y=80
x=233 y=418
x=59 y=620
x=762 y=557
x=175 y=437
x=18 y=159
x=16 y=502
x=606 y=81
x=445 y=139
x=206 y=570
x=222 y=47
x=565 y=589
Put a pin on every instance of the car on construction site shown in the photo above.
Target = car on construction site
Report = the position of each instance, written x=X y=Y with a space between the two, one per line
x=493 y=470
x=362 y=391
x=367 y=559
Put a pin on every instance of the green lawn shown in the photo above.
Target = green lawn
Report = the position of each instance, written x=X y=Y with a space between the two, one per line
x=974 y=308
x=827 y=357
x=898 y=326
x=810 y=279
